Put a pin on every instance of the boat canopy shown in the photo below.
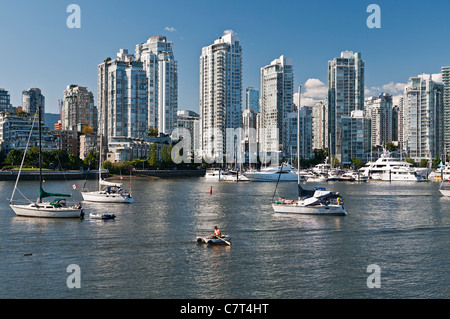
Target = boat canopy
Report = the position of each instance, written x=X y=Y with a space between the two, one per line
x=106 y=183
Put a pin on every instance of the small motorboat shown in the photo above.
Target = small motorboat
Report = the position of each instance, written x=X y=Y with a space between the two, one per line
x=224 y=240
x=102 y=216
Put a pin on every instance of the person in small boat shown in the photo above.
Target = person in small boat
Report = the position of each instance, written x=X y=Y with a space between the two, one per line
x=217 y=233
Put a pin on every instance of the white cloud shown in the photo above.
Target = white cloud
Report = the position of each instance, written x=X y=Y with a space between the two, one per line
x=394 y=88
x=312 y=91
x=229 y=31
x=170 y=29
x=314 y=88
x=390 y=88
x=436 y=77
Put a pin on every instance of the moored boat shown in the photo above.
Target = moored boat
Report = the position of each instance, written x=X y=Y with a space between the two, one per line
x=322 y=202
x=51 y=209
x=273 y=174
x=387 y=168
x=102 y=216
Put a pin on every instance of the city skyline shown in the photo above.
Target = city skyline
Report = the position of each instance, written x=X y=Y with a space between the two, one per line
x=310 y=33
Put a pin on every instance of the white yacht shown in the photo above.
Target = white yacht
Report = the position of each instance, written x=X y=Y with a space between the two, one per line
x=388 y=168
x=322 y=168
x=233 y=176
x=442 y=173
x=272 y=174
x=214 y=173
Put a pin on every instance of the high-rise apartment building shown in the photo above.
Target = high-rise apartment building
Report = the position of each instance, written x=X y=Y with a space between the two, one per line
x=252 y=99
x=446 y=80
x=15 y=133
x=159 y=63
x=277 y=89
x=122 y=98
x=379 y=109
x=31 y=99
x=345 y=94
x=320 y=124
x=423 y=114
x=400 y=124
x=189 y=120
x=5 y=101
x=355 y=136
x=305 y=131
x=78 y=109
x=220 y=94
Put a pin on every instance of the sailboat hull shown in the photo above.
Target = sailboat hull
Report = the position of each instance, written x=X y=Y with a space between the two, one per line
x=336 y=210
x=46 y=211
x=103 y=197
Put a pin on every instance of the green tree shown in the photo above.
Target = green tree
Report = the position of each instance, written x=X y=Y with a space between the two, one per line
x=334 y=162
x=57 y=157
x=74 y=162
x=411 y=161
x=436 y=162
x=32 y=157
x=390 y=147
x=423 y=163
x=153 y=132
x=108 y=165
x=153 y=158
x=166 y=154
x=357 y=163
x=14 y=157
x=91 y=159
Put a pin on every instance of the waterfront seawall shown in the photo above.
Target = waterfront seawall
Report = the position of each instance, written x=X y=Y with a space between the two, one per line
x=50 y=175
x=170 y=173
x=77 y=175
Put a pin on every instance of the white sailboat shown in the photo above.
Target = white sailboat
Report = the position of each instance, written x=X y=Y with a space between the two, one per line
x=316 y=202
x=107 y=192
x=52 y=209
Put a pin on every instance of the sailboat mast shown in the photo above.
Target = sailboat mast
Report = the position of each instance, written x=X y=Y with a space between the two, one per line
x=40 y=154
x=298 y=139
x=100 y=164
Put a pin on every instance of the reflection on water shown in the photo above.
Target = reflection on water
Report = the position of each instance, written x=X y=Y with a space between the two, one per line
x=150 y=249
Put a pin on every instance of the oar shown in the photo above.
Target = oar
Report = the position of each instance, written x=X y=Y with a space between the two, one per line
x=228 y=243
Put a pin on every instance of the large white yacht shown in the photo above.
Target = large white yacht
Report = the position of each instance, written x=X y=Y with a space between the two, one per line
x=273 y=174
x=388 y=168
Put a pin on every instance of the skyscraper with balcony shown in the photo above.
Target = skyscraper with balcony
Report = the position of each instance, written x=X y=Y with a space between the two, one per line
x=220 y=94
x=446 y=80
x=159 y=63
x=423 y=115
x=78 y=109
x=345 y=94
x=5 y=101
x=320 y=124
x=379 y=109
x=31 y=99
x=252 y=99
x=355 y=136
x=277 y=90
x=122 y=98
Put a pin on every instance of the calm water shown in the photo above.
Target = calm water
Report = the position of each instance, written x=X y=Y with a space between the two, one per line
x=149 y=251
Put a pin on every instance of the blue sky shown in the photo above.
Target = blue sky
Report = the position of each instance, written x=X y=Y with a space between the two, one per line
x=37 y=49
